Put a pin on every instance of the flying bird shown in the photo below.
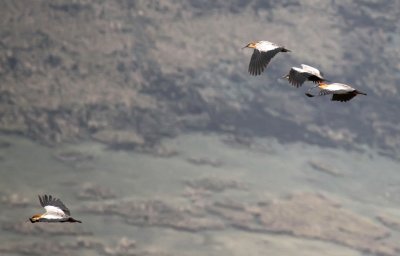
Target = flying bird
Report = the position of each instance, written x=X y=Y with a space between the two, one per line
x=56 y=211
x=297 y=76
x=263 y=52
x=340 y=92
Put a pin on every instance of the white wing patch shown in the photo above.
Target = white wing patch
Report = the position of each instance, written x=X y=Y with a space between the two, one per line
x=53 y=216
x=298 y=69
x=337 y=87
x=266 y=46
x=52 y=210
x=311 y=70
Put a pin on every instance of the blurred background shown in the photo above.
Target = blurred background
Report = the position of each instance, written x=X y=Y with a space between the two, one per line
x=142 y=118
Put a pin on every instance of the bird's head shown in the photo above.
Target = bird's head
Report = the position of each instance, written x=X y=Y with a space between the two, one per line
x=35 y=218
x=250 y=45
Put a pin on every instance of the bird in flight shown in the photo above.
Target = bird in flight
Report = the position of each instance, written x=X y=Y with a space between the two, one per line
x=297 y=76
x=263 y=52
x=56 y=211
x=340 y=92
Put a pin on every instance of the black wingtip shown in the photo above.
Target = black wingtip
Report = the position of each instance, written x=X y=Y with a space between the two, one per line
x=41 y=200
x=309 y=95
x=254 y=72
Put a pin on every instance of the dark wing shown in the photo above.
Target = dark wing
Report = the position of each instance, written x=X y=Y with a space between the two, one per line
x=48 y=200
x=315 y=79
x=343 y=97
x=296 y=78
x=259 y=60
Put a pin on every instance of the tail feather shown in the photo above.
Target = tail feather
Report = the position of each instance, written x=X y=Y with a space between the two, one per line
x=360 y=92
x=285 y=50
x=73 y=220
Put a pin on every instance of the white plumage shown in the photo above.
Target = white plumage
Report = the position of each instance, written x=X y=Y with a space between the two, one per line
x=56 y=211
x=297 y=76
x=263 y=52
x=340 y=92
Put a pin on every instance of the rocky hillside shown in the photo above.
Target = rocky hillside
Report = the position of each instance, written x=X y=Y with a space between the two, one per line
x=129 y=73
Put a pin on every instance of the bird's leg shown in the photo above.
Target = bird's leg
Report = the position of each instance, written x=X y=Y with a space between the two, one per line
x=308 y=93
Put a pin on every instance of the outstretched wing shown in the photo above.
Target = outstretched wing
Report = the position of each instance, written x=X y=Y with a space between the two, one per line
x=296 y=77
x=316 y=79
x=343 y=97
x=311 y=70
x=53 y=205
x=323 y=92
x=259 y=60
x=314 y=74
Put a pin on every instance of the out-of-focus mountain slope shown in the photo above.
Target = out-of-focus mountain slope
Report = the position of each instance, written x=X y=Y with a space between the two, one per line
x=150 y=69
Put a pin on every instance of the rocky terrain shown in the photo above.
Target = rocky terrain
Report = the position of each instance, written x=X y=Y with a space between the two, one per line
x=217 y=190
x=124 y=246
x=303 y=215
x=134 y=74
x=129 y=73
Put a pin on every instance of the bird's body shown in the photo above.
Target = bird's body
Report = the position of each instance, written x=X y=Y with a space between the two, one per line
x=340 y=92
x=297 y=76
x=56 y=211
x=263 y=52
